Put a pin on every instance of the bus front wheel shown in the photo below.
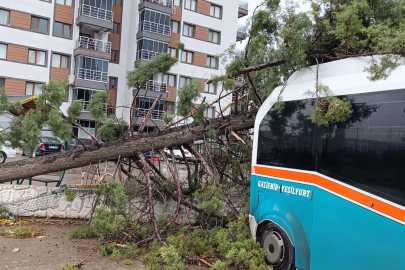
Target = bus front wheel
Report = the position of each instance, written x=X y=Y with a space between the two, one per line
x=278 y=247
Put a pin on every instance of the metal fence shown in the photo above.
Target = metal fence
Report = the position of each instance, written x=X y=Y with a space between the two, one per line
x=154 y=28
x=141 y=113
x=93 y=44
x=86 y=103
x=91 y=75
x=95 y=12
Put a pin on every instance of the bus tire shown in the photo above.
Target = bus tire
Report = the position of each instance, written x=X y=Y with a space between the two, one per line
x=279 y=249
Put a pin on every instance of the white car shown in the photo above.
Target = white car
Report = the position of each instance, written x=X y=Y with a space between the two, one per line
x=177 y=153
x=6 y=152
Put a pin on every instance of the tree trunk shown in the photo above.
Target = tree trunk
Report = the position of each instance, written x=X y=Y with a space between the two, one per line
x=126 y=147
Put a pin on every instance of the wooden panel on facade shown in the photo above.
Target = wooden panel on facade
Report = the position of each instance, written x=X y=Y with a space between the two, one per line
x=203 y=7
x=59 y=74
x=201 y=33
x=115 y=41
x=177 y=14
x=17 y=53
x=113 y=96
x=172 y=95
x=64 y=13
x=20 y=19
x=117 y=14
x=15 y=86
x=200 y=59
x=173 y=39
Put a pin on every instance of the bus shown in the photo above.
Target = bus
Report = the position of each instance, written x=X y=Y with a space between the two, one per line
x=331 y=197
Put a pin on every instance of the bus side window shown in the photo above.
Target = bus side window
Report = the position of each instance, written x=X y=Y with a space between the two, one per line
x=368 y=151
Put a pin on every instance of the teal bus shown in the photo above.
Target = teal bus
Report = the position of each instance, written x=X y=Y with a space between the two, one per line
x=332 y=198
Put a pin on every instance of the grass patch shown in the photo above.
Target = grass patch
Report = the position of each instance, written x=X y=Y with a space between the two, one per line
x=27 y=232
x=69 y=268
x=82 y=232
x=128 y=262
x=4 y=233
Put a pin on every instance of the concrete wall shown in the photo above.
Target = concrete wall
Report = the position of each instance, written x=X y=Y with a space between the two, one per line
x=37 y=201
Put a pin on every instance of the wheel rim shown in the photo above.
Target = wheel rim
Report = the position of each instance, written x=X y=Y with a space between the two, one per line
x=274 y=246
x=2 y=157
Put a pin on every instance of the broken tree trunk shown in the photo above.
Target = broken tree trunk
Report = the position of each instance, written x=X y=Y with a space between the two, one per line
x=123 y=148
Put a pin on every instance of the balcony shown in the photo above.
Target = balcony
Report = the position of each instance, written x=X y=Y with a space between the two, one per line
x=93 y=48
x=144 y=55
x=154 y=30
x=141 y=113
x=89 y=78
x=240 y=53
x=241 y=32
x=86 y=103
x=164 y=6
x=98 y=19
x=243 y=8
x=156 y=86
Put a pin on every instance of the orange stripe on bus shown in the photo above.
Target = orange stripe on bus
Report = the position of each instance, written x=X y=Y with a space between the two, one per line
x=349 y=193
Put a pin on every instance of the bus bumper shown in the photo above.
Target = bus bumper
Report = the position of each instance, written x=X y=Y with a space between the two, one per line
x=253 y=226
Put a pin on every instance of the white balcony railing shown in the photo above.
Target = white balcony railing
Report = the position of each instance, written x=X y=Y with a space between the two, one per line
x=239 y=78
x=243 y=4
x=93 y=44
x=167 y=3
x=154 y=28
x=86 y=103
x=91 y=75
x=97 y=13
x=156 y=86
x=145 y=55
x=242 y=29
x=141 y=113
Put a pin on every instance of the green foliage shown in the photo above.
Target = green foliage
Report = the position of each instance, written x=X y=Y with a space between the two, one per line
x=69 y=268
x=211 y=199
x=160 y=64
x=111 y=219
x=128 y=262
x=70 y=194
x=187 y=96
x=179 y=45
x=116 y=252
x=75 y=109
x=27 y=232
x=199 y=114
x=163 y=258
x=96 y=105
x=3 y=211
x=82 y=232
x=167 y=118
x=111 y=126
x=381 y=69
x=327 y=108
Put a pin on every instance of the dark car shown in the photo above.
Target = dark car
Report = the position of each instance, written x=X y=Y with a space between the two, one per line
x=48 y=145
x=75 y=144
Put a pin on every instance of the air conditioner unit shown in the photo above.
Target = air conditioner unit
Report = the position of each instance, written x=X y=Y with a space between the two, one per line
x=71 y=79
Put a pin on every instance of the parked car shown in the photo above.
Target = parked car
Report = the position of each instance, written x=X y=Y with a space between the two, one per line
x=177 y=153
x=75 y=144
x=6 y=151
x=46 y=145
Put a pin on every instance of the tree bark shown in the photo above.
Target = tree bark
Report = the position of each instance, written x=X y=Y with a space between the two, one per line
x=125 y=147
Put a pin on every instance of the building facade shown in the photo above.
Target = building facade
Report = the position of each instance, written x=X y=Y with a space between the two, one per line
x=94 y=43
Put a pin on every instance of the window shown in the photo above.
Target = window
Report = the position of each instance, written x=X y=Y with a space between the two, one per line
x=173 y=52
x=114 y=56
x=147 y=49
x=170 y=80
x=36 y=57
x=60 y=61
x=145 y=129
x=190 y=4
x=210 y=113
x=116 y=28
x=102 y=4
x=212 y=62
x=92 y=69
x=4 y=17
x=209 y=88
x=213 y=37
x=175 y=27
x=33 y=88
x=154 y=22
x=177 y=3
x=143 y=104
x=3 y=51
x=64 y=2
x=188 y=30
x=113 y=83
x=367 y=151
x=184 y=81
x=170 y=107
x=90 y=126
x=39 y=25
x=117 y=3
x=187 y=57
x=61 y=30
x=215 y=11
x=2 y=82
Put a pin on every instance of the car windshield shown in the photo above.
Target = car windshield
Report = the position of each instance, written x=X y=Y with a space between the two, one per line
x=48 y=140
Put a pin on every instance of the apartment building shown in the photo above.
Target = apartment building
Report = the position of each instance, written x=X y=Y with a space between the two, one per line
x=93 y=43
